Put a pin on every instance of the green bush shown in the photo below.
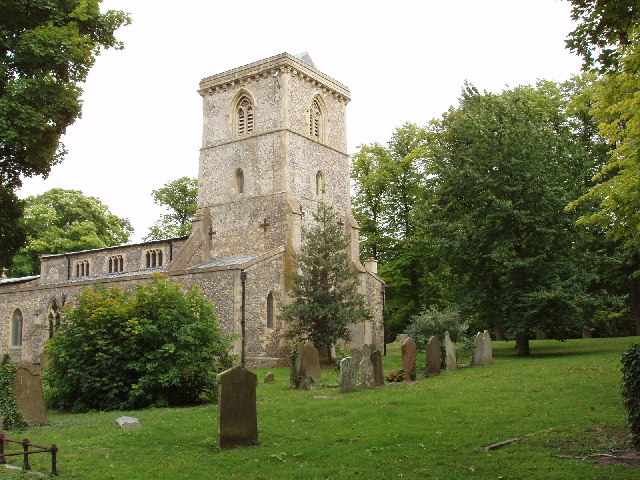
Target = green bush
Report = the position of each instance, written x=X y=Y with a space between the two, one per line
x=11 y=417
x=122 y=350
x=435 y=322
x=631 y=390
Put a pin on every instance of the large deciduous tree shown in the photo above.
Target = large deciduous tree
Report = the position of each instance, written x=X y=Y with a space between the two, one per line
x=324 y=291
x=506 y=167
x=179 y=197
x=46 y=50
x=60 y=221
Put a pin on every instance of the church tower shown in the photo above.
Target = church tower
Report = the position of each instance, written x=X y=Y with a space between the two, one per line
x=273 y=146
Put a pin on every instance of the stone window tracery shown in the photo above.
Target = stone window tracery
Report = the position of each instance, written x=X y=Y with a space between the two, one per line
x=154 y=258
x=16 y=328
x=244 y=116
x=82 y=268
x=315 y=120
x=116 y=264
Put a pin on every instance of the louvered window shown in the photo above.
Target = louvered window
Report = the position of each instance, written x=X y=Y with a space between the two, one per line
x=245 y=116
x=315 y=120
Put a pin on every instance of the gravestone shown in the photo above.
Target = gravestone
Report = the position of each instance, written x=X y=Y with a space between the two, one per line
x=450 y=349
x=433 y=357
x=487 y=348
x=401 y=337
x=408 y=350
x=128 y=423
x=29 y=393
x=44 y=361
x=305 y=368
x=478 y=347
x=378 y=371
x=269 y=377
x=237 y=416
x=365 y=350
x=348 y=374
x=366 y=373
x=356 y=353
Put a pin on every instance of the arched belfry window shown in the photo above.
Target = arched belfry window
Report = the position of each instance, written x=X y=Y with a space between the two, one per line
x=54 y=319
x=16 y=328
x=239 y=181
x=244 y=116
x=320 y=185
x=315 y=120
x=270 y=310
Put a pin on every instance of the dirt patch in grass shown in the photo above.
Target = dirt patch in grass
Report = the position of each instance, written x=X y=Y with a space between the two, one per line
x=603 y=446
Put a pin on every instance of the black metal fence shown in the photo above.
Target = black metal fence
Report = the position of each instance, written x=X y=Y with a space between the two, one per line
x=25 y=452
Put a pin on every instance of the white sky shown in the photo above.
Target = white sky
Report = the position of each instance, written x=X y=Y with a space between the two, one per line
x=403 y=61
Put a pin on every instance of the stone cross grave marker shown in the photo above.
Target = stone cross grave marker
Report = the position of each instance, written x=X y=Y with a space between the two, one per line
x=450 y=348
x=237 y=415
x=29 y=393
x=366 y=373
x=348 y=374
x=433 y=357
x=378 y=371
x=478 y=345
x=408 y=350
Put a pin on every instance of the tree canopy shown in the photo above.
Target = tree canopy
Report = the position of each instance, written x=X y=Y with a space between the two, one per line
x=324 y=292
x=180 y=198
x=60 y=221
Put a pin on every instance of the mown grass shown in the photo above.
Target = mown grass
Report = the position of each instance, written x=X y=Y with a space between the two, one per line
x=564 y=400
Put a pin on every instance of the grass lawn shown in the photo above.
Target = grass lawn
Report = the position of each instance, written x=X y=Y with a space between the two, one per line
x=564 y=400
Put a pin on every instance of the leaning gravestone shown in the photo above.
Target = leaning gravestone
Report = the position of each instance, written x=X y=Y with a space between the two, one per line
x=450 y=348
x=305 y=367
x=237 y=416
x=269 y=377
x=378 y=372
x=29 y=394
x=401 y=337
x=433 y=357
x=478 y=347
x=348 y=374
x=408 y=350
x=487 y=348
x=366 y=373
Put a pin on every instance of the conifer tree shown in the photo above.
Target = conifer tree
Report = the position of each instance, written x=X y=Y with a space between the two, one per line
x=325 y=288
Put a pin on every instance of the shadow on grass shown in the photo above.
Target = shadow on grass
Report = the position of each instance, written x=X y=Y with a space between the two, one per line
x=566 y=348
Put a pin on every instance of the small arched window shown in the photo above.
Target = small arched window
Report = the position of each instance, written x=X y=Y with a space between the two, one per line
x=320 y=186
x=16 y=328
x=82 y=268
x=270 y=310
x=54 y=319
x=154 y=258
x=244 y=116
x=315 y=120
x=239 y=181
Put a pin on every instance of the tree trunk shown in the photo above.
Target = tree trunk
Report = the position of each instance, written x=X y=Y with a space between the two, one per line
x=500 y=334
x=635 y=302
x=522 y=344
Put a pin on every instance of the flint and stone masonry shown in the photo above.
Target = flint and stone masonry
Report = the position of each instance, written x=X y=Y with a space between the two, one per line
x=273 y=148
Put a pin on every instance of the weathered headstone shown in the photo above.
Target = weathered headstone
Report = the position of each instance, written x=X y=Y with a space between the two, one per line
x=356 y=353
x=269 y=377
x=366 y=373
x=348 y=374
x=478 y=346
x=408 y=350
x=450 y=349
x=487 y=348
x=365 y=350
x=237 y=415
x=128 y=423
x=401 y=337
x=29 y=393
x=433 y=357
x=378 y=371
x=44 y=361
x=305 y=367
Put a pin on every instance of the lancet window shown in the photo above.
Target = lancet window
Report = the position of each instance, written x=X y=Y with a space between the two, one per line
x=154 y=258
x=244 y=116
x=82 y=268
x=116 y=264
x=315 y=120
x=16 y=328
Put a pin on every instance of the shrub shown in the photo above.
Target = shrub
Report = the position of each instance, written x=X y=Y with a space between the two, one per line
x=11 y=417
x=631 y=390
x=122 y=350
x=435 y=322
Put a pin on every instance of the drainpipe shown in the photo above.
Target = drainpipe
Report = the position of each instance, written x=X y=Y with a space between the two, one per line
x=384 y=318
x=243 y=278
x=68 y=267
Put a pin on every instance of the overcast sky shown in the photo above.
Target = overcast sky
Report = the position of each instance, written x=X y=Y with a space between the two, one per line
x=403 y=61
